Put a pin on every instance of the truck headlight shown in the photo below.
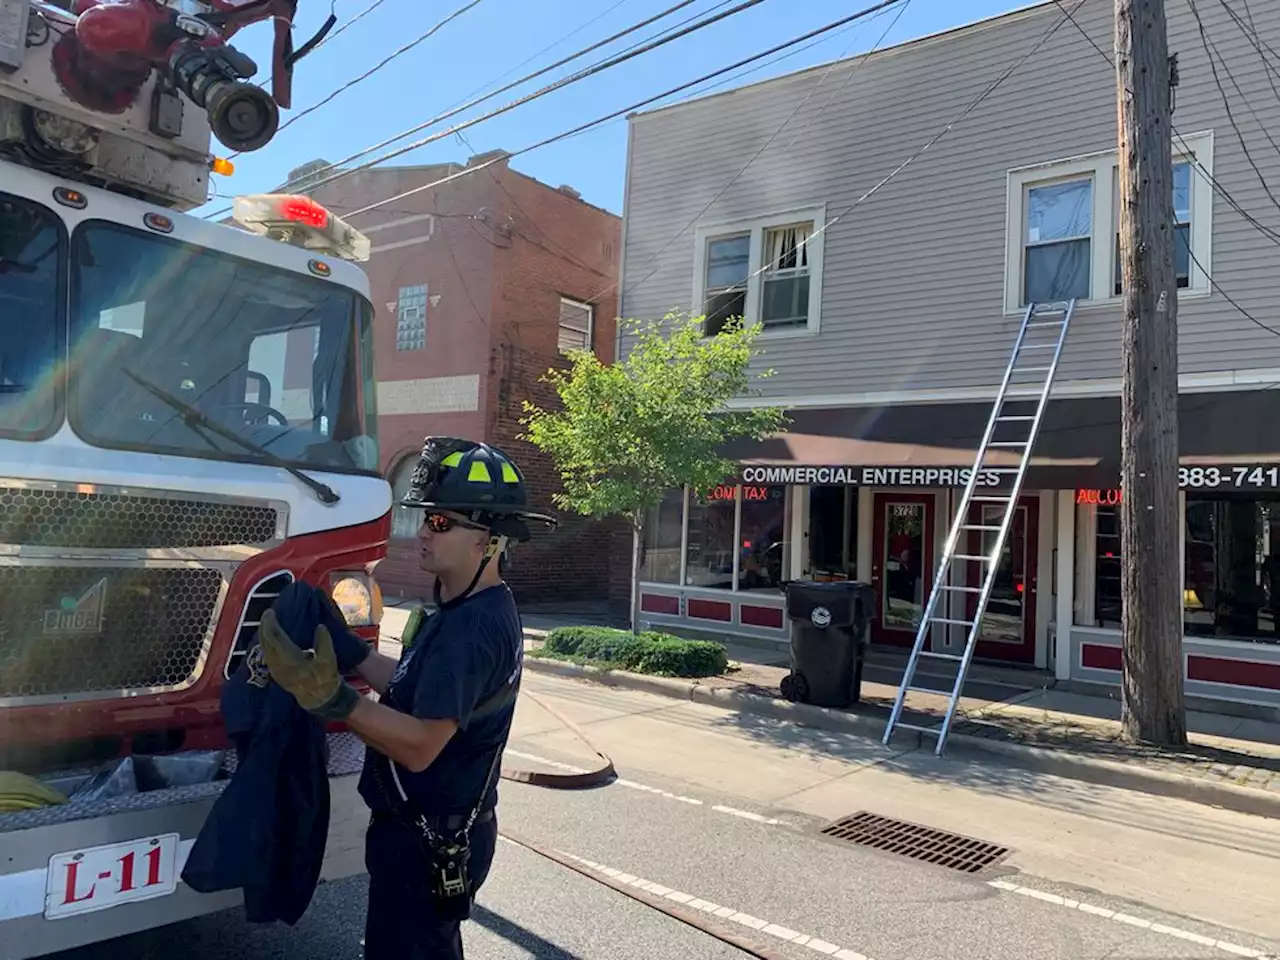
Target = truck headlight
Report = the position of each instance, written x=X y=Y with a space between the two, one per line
x=359 y=598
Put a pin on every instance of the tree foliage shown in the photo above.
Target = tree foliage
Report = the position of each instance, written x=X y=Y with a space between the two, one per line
x=656 y=421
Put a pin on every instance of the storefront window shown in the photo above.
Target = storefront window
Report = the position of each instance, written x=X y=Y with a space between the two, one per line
x=833 y=533
x=765 y=538
x=661 y=558
x=1106 y=569
x=711 y=525
x=1232 y=567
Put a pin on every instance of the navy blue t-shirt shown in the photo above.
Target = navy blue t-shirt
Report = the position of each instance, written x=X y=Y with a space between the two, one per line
x=459 y=658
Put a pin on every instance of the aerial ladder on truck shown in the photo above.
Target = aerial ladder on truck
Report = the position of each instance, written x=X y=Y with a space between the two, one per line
x=186 y=427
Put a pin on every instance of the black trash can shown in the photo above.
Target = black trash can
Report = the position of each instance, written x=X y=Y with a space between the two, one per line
x=828 y=640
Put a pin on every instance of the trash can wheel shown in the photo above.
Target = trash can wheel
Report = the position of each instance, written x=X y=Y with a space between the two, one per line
x=795 y=688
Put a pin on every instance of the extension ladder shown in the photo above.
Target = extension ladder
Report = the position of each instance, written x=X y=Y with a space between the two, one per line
x=1040 y=319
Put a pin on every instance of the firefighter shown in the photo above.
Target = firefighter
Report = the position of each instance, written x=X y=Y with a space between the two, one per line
x=435 y=736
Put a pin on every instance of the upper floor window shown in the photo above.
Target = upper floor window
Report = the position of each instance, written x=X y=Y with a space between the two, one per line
x=1064 y=220
x=411 y=318
x=767 y=271
x=576 y=323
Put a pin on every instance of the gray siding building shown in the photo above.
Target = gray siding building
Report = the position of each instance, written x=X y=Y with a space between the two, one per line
x=890 y=263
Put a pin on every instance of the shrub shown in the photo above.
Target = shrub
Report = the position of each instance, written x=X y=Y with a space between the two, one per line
x=650 y=652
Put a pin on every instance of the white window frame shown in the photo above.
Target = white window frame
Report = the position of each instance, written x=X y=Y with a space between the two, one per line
x=1101 y=168
x=757 y=227
x=589 y=345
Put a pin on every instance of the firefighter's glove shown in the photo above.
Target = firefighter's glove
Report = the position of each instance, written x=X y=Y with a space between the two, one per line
x=310 y=675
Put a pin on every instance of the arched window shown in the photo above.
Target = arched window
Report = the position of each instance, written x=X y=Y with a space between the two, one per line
x=405 y=521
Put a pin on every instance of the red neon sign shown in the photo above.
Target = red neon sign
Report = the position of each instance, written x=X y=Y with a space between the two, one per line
x=749 y=493
x=1100 y=498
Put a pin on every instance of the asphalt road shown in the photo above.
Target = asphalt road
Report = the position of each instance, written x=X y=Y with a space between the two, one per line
x=863 y=902
x=764 y=869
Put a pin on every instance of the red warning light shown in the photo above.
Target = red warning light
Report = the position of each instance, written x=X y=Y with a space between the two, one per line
x=304 y=210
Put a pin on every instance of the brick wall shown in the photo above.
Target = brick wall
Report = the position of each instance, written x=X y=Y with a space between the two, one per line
x=571 y=563
x=497 y=250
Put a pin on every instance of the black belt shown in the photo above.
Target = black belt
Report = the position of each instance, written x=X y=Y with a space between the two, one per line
x=440 y=824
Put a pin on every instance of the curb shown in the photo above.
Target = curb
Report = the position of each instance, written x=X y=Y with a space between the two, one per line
x=1111 y=773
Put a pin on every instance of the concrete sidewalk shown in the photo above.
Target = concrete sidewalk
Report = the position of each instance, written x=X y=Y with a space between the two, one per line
x=1230 y=762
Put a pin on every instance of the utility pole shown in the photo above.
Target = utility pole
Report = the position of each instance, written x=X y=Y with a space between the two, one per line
x=1153 y=708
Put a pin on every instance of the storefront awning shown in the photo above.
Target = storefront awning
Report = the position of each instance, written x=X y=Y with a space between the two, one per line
x=934 y=444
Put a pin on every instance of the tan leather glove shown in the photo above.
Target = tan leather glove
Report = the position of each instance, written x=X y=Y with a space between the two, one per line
x=310 y=675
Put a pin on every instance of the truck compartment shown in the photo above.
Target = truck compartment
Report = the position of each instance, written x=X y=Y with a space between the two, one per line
x=137 y=783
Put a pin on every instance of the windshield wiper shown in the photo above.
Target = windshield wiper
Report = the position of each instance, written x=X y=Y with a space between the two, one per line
x=195 y=419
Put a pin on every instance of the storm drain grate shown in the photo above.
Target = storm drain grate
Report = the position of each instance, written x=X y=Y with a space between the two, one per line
x=938 y=847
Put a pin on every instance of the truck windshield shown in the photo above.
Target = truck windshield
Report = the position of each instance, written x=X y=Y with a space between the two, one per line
x=32 y=254
x=278 y=359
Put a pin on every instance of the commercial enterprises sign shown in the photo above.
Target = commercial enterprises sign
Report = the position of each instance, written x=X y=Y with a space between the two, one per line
x=870 y=476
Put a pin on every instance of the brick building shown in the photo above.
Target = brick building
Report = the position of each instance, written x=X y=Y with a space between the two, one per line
x=479 y=285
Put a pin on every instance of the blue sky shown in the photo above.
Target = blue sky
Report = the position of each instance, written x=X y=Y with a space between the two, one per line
x=480 y=50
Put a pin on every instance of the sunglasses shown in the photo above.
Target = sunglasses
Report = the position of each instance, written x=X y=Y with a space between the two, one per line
x=440 y=523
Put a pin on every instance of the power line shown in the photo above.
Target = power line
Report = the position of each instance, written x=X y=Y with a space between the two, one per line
x=378 y=66
x=973 y=105
x=1251 y=34
x=350 y=23
x=1211 y=52
x=665 y=247
x=827 y=28
x=454 y=111
x=1202 y=171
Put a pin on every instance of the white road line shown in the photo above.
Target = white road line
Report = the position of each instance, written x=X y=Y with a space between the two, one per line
x=725 y=913
x=1130 y=920
x=745 y=815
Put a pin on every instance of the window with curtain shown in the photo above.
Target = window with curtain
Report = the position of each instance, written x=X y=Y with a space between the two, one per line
x=786 y=279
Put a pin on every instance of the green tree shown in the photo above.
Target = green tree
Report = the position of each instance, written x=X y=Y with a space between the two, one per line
x=628 y=432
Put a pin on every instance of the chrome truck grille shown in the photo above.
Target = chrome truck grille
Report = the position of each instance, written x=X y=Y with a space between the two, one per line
x=108 y=593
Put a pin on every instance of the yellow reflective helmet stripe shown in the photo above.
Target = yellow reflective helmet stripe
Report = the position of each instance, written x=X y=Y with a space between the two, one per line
x=509 y=473
x=452 y=460
x=479 y=473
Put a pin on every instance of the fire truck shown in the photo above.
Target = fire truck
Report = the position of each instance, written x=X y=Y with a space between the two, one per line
x=187 y=425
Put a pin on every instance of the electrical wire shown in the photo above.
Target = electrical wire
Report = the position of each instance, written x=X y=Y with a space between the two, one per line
x=1211 y=53
x=1252 y=35
x=973 y=105
x=435 y=28
x=591 y=124
x=597 y=67
x=1200 y=168
x=664 y=248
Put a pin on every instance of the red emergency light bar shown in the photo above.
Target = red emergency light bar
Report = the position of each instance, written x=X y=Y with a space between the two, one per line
x=304 y=210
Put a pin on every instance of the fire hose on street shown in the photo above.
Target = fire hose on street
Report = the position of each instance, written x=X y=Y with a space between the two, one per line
x=601 y=776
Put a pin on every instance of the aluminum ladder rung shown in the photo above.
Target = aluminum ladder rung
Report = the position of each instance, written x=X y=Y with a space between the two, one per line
x=916 y=728
x=1056 y=316
x=955 y=658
